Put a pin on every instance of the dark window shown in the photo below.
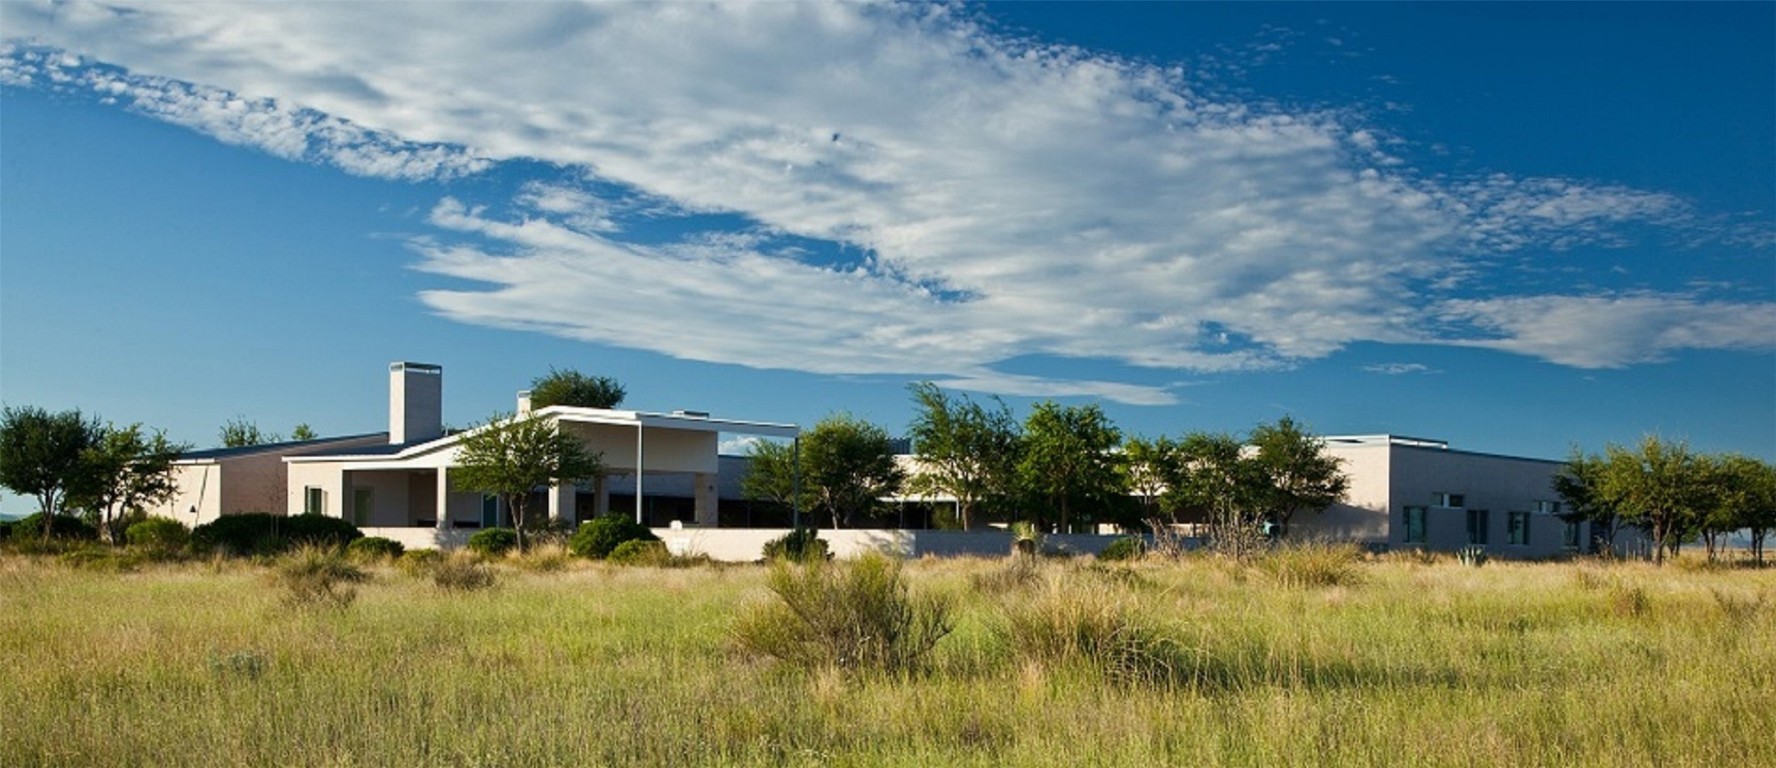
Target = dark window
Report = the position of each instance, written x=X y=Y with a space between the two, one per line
x=1478 y=522
x=1517 y=528
x=1415 y=525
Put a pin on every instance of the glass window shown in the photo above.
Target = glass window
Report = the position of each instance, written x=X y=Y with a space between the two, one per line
x=314 y=501
x=1517 y=528
x=1451 y=500
x=1477 y=525
x=1571 y=539
x=489 y=511
x=363 y=501
x=1547 y=507
x=1415 y=525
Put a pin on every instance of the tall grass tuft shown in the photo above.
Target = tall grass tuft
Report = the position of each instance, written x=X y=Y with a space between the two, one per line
x=462 y=572
x=1098 y=626
x=1313 y=565
x=315 y=575
x=853 y=615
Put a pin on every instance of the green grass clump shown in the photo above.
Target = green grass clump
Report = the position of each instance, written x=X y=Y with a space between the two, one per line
x=1313 y=565
x=853 y=615
x=462 y=573
x=318 y=576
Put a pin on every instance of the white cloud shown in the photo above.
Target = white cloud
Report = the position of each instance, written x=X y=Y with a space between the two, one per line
x=1612 y=331
x=1397 y=369
x=1006 y=199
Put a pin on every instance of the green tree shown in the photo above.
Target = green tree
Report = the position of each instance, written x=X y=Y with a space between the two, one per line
x=238 y=432
x=125 y=471
x=1748 y=497
x=1658 y=486
x=965 y=451
x=1293 y=472
x=1216 y=478
x=303 y=432
x=1150 y=466
x=510 y=457
x=771 y=474
x=570 y=387
x=42 y=455
x=847 y=466
x=1069 y=459
x=1579 y=484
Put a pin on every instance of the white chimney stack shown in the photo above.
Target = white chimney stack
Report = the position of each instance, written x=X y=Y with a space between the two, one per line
x=416 y=402
x=524 y=402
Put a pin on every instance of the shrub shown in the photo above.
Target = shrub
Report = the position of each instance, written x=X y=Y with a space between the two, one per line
x=159 y=535
x=639 y=552
x=1125 y=548
x=1099 y=627
x=1313 y=565
x=374 y=548
x=1017 y=573
x=598 y=538
x=1472 y=555
x=260 y=533
x=462 y=574
x=419 y=562
x=318 y=576
x=64 y=527
x=544 y=558
x=799 y=545
x=493 y=542
x=99 y=557
x=856 y=615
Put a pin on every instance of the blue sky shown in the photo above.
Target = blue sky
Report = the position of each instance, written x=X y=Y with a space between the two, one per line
x=1512 y=226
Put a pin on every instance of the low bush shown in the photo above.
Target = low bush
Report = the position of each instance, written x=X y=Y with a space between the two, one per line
x=598 y=538
x=1099 y=627
x=462 y=574
x=372 y=549
x=62 y=527
x=1313 y=565
x=260 y=533
x=544 y=558
x=1472 y=556
x=419 y=562
x=639 y=552
x=159 y=535
x=1125 y=548
x=318 y=576
x=855 y=615
x=92 y=556
x=493 y=542
x=1017 y=573
x=799 y=545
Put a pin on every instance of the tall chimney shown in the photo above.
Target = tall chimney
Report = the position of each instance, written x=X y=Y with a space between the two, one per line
x=416 y=402
x=524 y=403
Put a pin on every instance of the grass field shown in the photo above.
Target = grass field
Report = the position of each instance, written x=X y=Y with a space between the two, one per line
x=1198 y=662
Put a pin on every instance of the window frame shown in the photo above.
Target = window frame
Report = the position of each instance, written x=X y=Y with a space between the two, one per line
x=1517 y=528
x=1408 y=515
x=314 y=500
x=1479 y=527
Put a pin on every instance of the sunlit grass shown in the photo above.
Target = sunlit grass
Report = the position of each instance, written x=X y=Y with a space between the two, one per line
x=1406 y=662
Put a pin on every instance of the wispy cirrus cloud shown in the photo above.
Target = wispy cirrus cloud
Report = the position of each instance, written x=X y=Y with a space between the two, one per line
x=1001 y=198
x=1397 y=369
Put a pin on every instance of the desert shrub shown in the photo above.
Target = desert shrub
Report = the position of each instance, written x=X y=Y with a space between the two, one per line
x=1313 y=565
x=462 y=574
x=419 y=562
x=544 y=558
x=1411 y=556
x=374 y=549
x=855 y=615
x=260 y=533
x=1099 y=627
x=159 y=535
x=1125 y=548
x=315 y=575
x=493 y=542
x=597 y=538
x=799 y=545
x=63 y=527
x=1017 y=573
x=638 y=552
x=92 y=556
x=1472 y=556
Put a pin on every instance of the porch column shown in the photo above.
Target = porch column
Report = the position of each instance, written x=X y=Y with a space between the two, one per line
x=640 y=429
x=561 y=503
x=344 y=509
x=443 y=502
x=707 y=503
x=601 y=496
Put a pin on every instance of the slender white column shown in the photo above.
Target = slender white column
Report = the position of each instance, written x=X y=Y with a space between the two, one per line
x=443 y=500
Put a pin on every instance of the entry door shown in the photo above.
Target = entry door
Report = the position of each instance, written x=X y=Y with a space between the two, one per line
x=363 y=501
